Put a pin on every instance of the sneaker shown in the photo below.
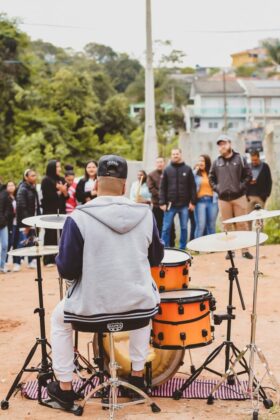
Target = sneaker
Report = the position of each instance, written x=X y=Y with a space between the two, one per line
x=16 y=267
x=64 y=398
x=139 y=382
x=2 y=270
x=50 y=265
x=228 y=257
x=32 y=264
x=247 y=255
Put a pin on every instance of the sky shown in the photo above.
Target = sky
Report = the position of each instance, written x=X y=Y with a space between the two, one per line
x=206 y=31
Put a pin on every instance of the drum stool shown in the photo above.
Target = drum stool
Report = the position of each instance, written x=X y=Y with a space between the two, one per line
x=113 y=382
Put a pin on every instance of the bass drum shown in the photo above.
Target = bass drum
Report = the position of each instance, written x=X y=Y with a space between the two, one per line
x=165 y=363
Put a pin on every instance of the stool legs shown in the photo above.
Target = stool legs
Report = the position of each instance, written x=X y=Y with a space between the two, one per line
x=114 y=383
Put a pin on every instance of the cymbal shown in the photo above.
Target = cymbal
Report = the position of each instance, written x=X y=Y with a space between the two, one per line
x=254 y=215
x=34 y=251
x=47 y=221
x=225 y=241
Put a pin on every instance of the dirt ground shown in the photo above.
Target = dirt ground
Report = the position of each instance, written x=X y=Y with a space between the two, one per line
x=19 y=328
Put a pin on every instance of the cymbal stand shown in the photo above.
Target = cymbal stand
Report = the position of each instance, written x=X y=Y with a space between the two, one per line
x=228 y=345
x=255 y=389
x=44 y=369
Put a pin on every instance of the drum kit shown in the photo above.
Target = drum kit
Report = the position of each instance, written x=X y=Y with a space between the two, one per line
x=185 y=319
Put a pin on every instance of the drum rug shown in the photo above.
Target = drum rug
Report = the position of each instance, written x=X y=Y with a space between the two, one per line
x=199 y=389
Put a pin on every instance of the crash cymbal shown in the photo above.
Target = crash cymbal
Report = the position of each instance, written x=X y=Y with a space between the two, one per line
x=47 y=221
x=225 y=241
x=34 y=251
x=254 y=215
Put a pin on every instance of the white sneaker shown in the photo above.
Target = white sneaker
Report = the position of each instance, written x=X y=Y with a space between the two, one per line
x=2 y=270
x=50 y=265
x=16 y=267
x=32 y=264
x=6 y=269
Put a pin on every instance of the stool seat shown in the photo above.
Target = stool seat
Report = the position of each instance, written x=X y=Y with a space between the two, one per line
x=110 y=326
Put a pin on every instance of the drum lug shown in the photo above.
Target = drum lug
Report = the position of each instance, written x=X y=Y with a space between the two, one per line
x=204 y=333
x=213 y=304
x=160 y=336
x=212 y=328
x=184 y=286
x=202 y=306
x=181 y=310
x=185 y=271
x=161 y=289
x=160 y=310
x=183 y=336
x=162 y=274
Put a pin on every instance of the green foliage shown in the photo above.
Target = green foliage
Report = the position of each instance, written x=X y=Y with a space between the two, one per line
x=273 y=48
x=245 y=71
x=57 y=103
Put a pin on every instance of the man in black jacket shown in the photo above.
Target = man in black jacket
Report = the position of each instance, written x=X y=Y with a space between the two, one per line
x=229 y=176
x=260 y=186
x=6 y=213
x=177 y=195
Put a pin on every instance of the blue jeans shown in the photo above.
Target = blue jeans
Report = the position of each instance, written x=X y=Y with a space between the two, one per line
x=167 y=223
x=4 y=239
x=205 y=216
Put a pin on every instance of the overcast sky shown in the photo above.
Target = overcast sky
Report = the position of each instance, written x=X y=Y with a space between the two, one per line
x=121 y=24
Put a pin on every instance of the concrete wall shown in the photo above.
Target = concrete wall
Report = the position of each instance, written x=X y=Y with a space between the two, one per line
x=196 y=143
x=272 y=156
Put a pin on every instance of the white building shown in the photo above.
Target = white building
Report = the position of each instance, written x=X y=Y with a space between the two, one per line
x=248 y=103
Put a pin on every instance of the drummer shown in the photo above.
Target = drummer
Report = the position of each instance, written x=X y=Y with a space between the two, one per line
x=106 y=250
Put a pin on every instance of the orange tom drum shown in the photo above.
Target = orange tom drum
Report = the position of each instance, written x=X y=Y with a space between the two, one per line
x=173 y=272
x=184 y=319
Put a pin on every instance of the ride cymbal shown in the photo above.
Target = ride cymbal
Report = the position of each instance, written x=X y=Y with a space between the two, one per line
x=225 y=241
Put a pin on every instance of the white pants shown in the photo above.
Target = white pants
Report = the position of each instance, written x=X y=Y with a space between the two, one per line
x=63 y=350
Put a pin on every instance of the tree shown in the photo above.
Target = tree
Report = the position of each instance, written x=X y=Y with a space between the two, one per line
x=273 y=48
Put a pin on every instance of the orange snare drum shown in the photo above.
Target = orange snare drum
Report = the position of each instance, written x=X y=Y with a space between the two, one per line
x=184 y=319
x=173 y=272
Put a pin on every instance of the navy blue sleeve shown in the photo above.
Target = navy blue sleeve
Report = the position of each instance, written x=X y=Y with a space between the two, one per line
x=156 y=249
x=70 y=258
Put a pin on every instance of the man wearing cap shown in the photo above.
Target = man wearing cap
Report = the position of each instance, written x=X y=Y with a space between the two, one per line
x=106 y=250
x=229 y=176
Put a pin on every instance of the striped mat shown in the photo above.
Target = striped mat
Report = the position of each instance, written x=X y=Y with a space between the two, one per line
x=199 y=389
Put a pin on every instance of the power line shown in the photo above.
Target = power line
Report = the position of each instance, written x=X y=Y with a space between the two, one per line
x=210 y=31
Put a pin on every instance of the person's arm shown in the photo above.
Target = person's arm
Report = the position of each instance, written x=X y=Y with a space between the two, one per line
x=151 y=183
x=213 y=177
x=163 y=189
x=156 y=248
x=268 y=181
x=246 y=174
x=192 y=186
x=70 y=258
x=22 y=205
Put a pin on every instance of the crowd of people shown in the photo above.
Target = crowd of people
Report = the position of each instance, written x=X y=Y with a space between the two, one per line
x=230 y=186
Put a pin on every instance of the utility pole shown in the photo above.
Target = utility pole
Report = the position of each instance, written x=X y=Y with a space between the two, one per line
x=225 y=102
x=150 y=149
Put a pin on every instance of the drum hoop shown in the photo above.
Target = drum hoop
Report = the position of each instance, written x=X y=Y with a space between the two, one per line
x=185 y=299
x=191 y=346
x=187 y=259
x=188 y=321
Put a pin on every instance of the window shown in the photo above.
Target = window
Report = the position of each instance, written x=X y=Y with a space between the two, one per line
x=213 y=124
x=233 y=124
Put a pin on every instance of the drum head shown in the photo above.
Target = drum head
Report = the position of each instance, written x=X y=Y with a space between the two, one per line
x=165 y=363
x=188 y=295
x=175 y=257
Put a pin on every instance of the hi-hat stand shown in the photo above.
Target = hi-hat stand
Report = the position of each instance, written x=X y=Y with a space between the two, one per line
x=255 y=389
x=44 y=369
x=228 y=345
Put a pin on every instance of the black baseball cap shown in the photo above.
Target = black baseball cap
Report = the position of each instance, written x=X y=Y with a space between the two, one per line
x=112 y=165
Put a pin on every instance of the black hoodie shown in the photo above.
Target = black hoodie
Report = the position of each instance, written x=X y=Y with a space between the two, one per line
x=52 y=202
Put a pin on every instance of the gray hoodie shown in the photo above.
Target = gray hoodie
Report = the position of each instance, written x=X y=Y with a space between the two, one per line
x=115 y=280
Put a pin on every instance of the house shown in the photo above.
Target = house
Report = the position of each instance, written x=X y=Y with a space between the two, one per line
x=237 y=103
x=249 y=57
x=207 y=113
